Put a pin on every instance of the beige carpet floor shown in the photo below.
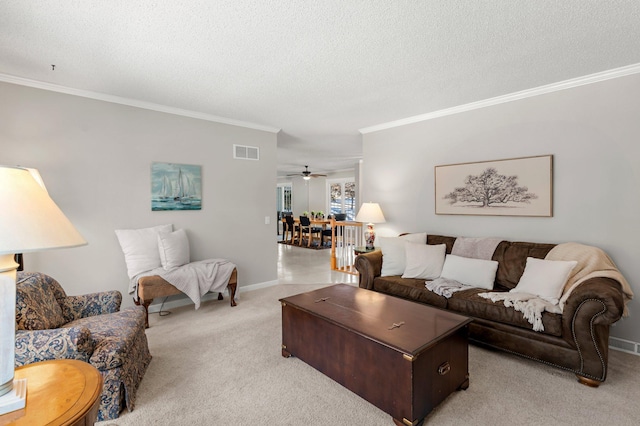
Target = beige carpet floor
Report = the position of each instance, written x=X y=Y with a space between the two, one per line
x=223 y=366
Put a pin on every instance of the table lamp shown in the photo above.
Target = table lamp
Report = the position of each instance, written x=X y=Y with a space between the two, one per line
x=29 y=221
x=370 y=213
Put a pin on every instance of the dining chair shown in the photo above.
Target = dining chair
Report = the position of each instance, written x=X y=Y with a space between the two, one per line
x=326 y=233
x=309 y=230
x=291 y=227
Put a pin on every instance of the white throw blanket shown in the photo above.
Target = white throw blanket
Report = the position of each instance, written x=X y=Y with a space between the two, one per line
x=477 y=248
x=592 y=262
x=530 y=305
x=194 y=279
x=445 y=287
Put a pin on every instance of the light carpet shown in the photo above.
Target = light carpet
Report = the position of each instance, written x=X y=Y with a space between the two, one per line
x=223 y=366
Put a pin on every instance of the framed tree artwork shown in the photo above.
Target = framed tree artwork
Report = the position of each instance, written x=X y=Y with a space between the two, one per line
x=510 y=187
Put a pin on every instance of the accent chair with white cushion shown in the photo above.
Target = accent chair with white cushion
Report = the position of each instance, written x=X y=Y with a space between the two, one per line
x=159 y=265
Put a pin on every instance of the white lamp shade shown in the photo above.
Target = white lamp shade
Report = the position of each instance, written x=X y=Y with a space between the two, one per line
x=29 y=219
x=370 y=213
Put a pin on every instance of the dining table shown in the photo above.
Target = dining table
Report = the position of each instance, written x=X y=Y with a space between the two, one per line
x=321 y=222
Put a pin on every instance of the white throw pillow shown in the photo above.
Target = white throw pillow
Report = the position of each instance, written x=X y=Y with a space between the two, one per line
x=140 y=248
x=545 y=278
x=174 y=249
x=474 y=272
x=393 y=252
x=423 y=260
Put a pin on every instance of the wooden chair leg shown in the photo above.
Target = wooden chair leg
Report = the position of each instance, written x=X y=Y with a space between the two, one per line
x=232 y=293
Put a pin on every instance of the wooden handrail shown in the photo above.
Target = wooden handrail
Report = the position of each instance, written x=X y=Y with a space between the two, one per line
x=343 y=244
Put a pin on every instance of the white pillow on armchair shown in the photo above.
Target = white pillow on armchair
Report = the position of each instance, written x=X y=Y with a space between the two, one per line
x=174 y=249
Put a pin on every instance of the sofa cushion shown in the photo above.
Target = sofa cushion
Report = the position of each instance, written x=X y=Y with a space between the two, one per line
x=36 y=304
x=423 y=260
x=467 y=302
x=408 y=288
x=545 y=278
x=393 y=252
x=512 y=257
x=441 y=239
x=474 y=272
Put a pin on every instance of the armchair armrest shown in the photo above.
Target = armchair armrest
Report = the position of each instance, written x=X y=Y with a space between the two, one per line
x=87 y=305
x=369 y=266
x=58 y=343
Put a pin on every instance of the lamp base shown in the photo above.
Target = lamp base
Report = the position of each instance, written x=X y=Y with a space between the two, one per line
x=16 y=398
x=370 y=236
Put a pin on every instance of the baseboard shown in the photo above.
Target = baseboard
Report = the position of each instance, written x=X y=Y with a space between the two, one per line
x=624 y=345
x=183 y=300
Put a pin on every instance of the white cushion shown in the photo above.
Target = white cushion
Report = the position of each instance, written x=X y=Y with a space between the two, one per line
x=174 y=249
x=474 y=272
x=140 y=248
x=545 y=278
x=423 y=260
x=393 y=252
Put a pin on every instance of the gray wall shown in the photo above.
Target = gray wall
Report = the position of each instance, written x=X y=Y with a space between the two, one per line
x=95 y=158
x=311 y=195
x=593 y=133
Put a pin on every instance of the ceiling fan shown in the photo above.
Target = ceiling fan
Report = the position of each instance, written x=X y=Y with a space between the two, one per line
x=306 y=174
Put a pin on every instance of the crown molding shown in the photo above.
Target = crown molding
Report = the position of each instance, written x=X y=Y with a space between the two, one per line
x=549 y=88
x=132 y=102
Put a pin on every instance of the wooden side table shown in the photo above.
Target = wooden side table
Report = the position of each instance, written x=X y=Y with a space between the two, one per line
x=364 y=249
x=59 y=392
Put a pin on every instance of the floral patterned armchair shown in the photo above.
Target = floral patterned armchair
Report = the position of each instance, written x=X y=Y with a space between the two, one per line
x=90 y=328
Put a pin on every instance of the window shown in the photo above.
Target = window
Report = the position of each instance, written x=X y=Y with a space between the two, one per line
x=342 y=197
x=283 y=197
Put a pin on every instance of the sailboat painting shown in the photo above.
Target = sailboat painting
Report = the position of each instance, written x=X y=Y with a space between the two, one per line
x=176 y=187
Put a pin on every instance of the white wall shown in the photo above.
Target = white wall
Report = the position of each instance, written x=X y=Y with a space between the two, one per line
x=95 y=158
x=593 y=133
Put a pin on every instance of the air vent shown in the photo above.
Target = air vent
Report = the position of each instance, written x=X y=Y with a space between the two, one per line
x=243 y=152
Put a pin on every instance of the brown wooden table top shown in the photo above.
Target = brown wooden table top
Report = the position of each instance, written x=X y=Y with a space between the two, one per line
x=406 y=326
x=59 y=392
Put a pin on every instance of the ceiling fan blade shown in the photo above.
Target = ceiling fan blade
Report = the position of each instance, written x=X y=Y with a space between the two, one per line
x=307 y=174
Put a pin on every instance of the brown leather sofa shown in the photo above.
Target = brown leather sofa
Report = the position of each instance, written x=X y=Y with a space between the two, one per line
x=576 y=340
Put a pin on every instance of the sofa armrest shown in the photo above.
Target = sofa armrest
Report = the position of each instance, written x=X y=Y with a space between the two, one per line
x=369 y=266
x=602 y=295
x=57 y=343
x=587 y=315
x=87 y=305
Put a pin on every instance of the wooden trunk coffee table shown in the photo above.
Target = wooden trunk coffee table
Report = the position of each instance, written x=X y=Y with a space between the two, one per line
x=401 y=356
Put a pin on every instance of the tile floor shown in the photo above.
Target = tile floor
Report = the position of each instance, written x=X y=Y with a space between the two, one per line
x=297 y=265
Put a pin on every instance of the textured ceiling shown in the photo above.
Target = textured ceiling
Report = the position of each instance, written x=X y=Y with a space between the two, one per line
x=318 y=70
